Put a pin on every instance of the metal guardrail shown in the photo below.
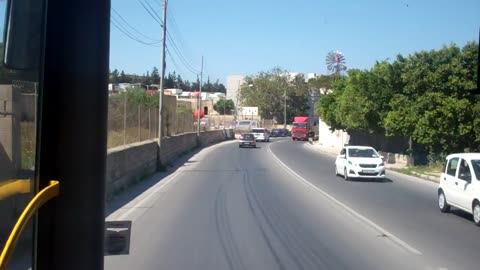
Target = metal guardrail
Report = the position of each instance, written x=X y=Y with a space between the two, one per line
x=48 y=193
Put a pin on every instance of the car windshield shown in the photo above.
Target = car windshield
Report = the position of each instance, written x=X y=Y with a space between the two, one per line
x=362 y=153
x=476 y=168
x=206 y=134
x=299 y=125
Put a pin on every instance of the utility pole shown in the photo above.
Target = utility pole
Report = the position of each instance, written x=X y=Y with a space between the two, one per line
x=200 y=101
x=285 y=108
x=162 y=74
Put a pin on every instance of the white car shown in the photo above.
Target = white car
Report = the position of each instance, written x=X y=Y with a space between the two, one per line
x=261 y=134
x=359 y=162
x=460 y=184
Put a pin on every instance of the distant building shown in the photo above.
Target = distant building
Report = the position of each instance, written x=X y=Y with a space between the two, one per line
x=310 y=76
x=174 y=91
x=292 y=75
x=233 y=85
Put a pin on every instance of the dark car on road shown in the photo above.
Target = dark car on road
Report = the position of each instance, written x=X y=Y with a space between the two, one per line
x=279 y=132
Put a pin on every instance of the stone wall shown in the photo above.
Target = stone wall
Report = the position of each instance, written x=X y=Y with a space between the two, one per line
x=174 y=146
x=130 y=164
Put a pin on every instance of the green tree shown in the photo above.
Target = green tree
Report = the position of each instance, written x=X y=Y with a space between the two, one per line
x=425 y=96
x=114 y=76
x=123 y=78
x=223 y=105
x=147 y=79
x=267 y=91
x=155 y=76
x=321 y=84
x=446 y=124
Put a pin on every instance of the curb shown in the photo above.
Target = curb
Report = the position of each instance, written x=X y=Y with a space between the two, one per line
x=427 y=177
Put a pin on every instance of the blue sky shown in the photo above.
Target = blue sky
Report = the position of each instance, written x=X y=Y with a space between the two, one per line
x=248 y=36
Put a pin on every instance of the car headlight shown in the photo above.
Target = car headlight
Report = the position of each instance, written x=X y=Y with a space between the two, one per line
x=352 y=163
x=381 y=164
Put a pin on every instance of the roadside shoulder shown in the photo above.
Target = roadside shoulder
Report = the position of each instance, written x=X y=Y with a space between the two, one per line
x=412 y=178
x=321 y=149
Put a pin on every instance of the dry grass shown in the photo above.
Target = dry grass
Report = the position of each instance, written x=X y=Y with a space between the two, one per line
x=433 y=170
x=116 y=138
x=27 y=144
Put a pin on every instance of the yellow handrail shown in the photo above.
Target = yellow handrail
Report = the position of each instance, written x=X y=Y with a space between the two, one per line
x=48 y=193
x=14 y=187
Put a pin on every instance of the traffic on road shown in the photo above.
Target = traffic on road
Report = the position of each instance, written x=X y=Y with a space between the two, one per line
x=278 y=207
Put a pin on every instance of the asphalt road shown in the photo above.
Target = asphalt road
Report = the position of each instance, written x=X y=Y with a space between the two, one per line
x=281 y=207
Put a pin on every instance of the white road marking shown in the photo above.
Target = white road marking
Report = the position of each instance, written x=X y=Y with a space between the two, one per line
x=163 y=183
x=348 y=209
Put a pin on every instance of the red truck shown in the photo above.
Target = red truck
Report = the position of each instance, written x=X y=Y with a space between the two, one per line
x=300 y=128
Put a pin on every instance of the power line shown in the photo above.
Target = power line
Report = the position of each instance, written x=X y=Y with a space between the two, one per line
x=176 y=29
x=128 y=34
x=184 y=64
x=173 y=60
x=134 y=29
x=152 y=12
x=179 y=53
x=192 y=70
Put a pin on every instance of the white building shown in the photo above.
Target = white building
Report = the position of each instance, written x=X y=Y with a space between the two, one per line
x=233 y=85
x=334 y=141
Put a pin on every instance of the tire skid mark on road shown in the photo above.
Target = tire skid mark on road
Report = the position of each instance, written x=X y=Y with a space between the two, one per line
x=257 y=216
x=292 y=238
x=224 y=231
x=288 y=240
x=319 y=256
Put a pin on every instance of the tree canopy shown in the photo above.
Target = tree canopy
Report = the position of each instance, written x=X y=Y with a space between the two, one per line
x=426 y=96
x=266 y=91
x=172 y=80
x=223 y=105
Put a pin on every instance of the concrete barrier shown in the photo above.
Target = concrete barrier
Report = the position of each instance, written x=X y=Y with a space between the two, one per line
x=127 y=165
x=397 y=160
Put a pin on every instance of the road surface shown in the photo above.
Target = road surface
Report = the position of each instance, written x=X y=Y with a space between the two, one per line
x=281 y=207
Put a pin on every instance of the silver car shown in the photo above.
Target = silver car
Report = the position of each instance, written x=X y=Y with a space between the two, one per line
x=247 y=139
x=261 y=134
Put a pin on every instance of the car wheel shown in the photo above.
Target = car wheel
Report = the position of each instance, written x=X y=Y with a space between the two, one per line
x=336 y=170
x=442 y=202
x=345 y=175
x=476 y=213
